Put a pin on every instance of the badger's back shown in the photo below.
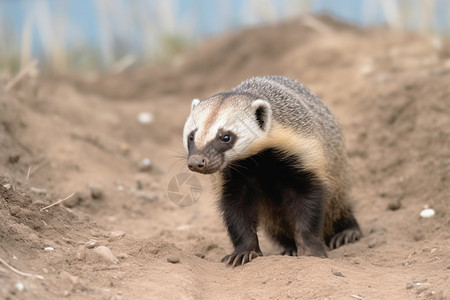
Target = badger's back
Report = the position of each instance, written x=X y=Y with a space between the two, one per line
x=296 y=107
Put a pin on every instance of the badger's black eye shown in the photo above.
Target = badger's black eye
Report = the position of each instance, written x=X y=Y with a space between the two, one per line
x=226 y=138
x=191 y=137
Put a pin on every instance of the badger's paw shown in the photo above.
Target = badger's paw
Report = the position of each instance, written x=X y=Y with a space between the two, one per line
x=238 y=259
x=289 y=252
x=344 y=237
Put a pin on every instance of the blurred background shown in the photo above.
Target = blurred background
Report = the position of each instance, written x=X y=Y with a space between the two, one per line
x=86 y=35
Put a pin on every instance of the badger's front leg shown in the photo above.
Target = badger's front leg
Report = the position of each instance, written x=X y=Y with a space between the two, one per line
x=240 y=215
x=307 y=219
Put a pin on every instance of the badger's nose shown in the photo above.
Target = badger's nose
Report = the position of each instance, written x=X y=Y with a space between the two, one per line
x=197 y=163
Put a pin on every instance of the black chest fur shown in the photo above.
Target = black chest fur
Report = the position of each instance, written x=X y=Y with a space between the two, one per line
x=271 y=190
x=269 y=179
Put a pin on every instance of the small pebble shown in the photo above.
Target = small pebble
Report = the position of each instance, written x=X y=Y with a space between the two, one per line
x=15 y=210
x=7 y=186
x=14 y=158
x=201 y=255
x=74 y=201
x=116 y=235
x=408 y=263
x=427 y=213
x=19 y=286
x=105 y=253
x=145 y=118
x=211 y=246
x=394 y=205
x=139 y=185
x=145 y=165
x=90 y=244
x=173 y=259
x=49 y=249
x=337 y=273
x=96 y=233
x=96 y=193
x=423 y=287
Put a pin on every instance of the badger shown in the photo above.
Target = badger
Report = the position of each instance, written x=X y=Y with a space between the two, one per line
x=280 y=161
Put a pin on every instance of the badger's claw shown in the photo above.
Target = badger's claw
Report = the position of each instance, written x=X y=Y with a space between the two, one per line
x=236 y=259
x=289 y=252
x=345 y=237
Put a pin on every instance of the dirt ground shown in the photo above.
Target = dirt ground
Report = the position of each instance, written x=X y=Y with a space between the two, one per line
x=58 y=136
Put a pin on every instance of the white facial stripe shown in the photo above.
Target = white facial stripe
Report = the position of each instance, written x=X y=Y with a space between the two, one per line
x=206 y=135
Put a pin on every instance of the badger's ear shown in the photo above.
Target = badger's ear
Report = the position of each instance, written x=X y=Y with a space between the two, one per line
x=263 y=113
x=194 y=103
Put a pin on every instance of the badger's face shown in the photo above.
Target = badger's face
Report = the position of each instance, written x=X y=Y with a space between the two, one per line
x=221 y=129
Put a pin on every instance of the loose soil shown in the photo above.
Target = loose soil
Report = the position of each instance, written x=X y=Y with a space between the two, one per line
x=58 y=136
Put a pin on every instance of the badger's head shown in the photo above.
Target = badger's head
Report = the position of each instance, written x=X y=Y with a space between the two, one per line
x=222 y=129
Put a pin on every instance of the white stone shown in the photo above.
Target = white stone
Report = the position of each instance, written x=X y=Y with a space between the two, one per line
x=145 y=118
x=19 y=286
x=427 y=213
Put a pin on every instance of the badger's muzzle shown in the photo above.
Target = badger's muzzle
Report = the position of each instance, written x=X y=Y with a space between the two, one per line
x=197 y=163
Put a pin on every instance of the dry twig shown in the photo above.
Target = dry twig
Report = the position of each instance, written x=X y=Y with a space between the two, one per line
x=19 y=272
x=28 y=174
x=27 y=69
x=57 y=202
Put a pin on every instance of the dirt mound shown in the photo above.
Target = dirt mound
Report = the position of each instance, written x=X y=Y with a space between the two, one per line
x=35 y=242
x=120 y=236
